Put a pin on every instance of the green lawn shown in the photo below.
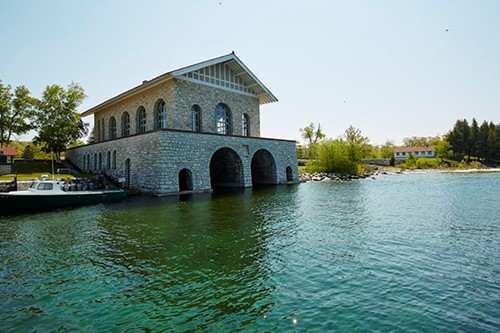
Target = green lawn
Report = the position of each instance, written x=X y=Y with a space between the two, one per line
x=28 y=170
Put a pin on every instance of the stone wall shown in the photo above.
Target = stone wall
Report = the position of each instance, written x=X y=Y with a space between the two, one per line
x=5 y=169
x=179 y=96
x=157 y=157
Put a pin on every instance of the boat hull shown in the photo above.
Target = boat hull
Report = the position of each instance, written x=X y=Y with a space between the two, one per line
x=21 y=203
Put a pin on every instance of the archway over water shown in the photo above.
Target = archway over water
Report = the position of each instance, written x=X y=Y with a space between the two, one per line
x=226 y=169
x=263 y=168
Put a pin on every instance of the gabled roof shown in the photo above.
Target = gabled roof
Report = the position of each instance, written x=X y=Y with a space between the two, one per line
x=8 y=151
x=247 y=83
x=413 y=149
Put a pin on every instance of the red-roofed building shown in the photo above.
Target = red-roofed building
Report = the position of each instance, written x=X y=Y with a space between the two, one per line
x=402 y=153
x=6 y=160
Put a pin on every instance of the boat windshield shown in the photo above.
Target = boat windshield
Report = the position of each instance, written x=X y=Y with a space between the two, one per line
x=33 y=184
x=45 y=186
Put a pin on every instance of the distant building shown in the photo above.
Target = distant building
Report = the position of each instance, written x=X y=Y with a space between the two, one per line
x=6 y=160
x=402 y=153
x=192 y=129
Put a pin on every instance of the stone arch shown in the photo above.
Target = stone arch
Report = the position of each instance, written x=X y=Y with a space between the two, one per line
x=289 y=174
x=263 y=168
x=185 y=180
x=226 y=169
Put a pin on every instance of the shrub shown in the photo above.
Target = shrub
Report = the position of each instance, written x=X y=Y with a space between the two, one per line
x=427 y=163
x=334 y=156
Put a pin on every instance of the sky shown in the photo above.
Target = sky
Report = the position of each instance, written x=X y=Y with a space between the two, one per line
x=391 y=68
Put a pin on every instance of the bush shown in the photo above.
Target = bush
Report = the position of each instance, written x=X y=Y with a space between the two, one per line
x=427 y=163
x=334 y=156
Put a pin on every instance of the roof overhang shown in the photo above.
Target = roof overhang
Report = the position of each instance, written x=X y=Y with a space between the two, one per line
x=259 y=90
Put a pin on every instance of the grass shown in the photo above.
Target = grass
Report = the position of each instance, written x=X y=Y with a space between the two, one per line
x=28 y=170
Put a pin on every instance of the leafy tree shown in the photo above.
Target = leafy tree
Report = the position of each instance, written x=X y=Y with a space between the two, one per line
x=411 y=161
x=58 y=123
x=333 y=156
x=28 y=153
x=443 y=150
x=418 y=141
x=359 y=147
x=16 y=112
x=387 y=149
x=482 y=141
x=312 y=136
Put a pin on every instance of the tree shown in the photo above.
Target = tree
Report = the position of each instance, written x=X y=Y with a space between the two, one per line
x=420 y=141
x=443 y=150
x=312 y=136
x=16 y=112
x=57 y=121
x=387 y=149
x=359 y=147
x=28 y=153
x=472 y=142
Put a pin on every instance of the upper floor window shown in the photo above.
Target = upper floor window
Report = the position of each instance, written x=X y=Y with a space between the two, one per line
x=223 y=119
x=196 y=118
x=112 y=128
x=141 y=120
x=161 y=114
x=126 y=124
x=245 y=125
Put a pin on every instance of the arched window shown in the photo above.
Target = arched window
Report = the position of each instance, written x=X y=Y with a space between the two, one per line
x=223 y=119
x=95 y=161
x=161 y=114
x=196 y=118
x=103 y=130
x=108 y=161
x=84 y=162
x=141 y=120
x=114 y=159
x=126 y=124
x=88 y=161
x=112 y=128
x=245 y=125
x=100 y=162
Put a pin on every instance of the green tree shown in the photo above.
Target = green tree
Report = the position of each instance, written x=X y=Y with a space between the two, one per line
x=28 y=153
x=312 y=136
x=443 y=150
x=411 y=161
x=482 y=141
x=16 y=112
x=58 y=123
x=359 y=147
x=387 y=149
x=333 y=156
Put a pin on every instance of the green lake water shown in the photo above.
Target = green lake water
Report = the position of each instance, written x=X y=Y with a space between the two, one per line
x=402 y=253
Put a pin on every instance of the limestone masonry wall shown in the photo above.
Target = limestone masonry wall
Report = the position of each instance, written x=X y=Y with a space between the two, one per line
x=157 y=157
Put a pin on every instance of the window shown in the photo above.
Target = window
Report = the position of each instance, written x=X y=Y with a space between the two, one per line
x=126 y=124
x=223 y=119
x=100 y=161
x=108 y=161
x=161 y=114
x=112 y=128
x=114 y=159
x=141 y=120
x=95 y=161
x=245 y=125
x=45 y=186
x=103 y=130
x=196 y=118
x=397 y=154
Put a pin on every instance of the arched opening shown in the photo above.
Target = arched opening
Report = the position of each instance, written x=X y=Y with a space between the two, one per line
x=141 y=120
x=125 y=124
x=226 y=169
x=196 y=118
x=127 y=173
x=185 y=180
x=263 y=168
x=223 y=119
x=289 y=174
x=112 y=128
x=161 y=114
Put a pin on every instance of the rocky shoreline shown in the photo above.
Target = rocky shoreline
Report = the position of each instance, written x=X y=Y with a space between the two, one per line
x=336 y=177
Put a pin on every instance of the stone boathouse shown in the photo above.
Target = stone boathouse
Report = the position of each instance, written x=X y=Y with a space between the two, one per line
x=192 y=129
